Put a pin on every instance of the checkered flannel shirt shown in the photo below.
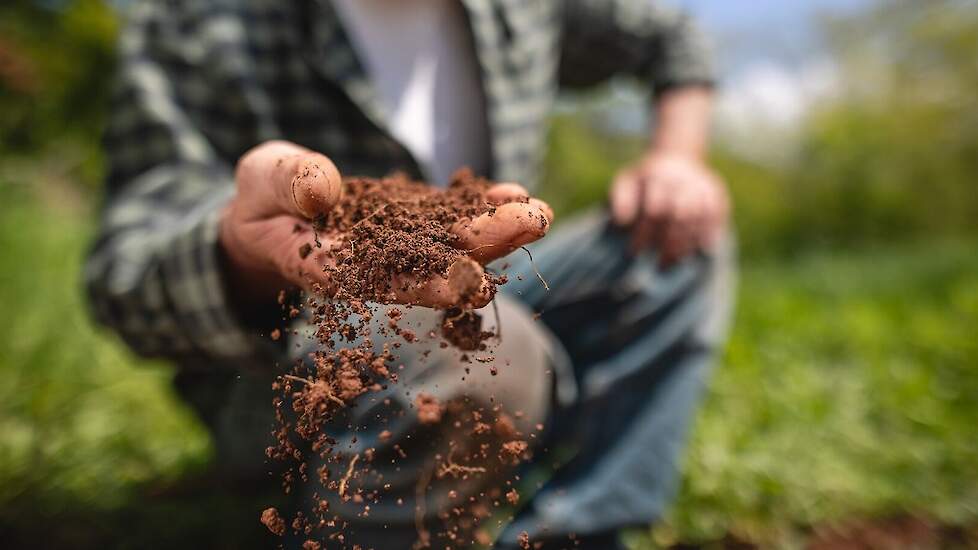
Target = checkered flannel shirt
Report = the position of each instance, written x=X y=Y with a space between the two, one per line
x=200 y=82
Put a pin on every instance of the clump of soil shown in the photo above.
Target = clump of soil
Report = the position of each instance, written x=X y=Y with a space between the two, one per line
x=383 y=238
x=273 y=521
x=394 y=231
x=463 y=329
x=429 y=409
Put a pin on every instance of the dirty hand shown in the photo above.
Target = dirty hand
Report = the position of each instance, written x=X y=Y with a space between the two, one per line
x=282 y=186
x=672 y=202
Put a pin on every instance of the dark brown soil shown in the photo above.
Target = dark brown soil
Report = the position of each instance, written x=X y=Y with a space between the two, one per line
x=395 y=226
x=429 y=409
x=273 y=521
x=383 y=237
x=463 y=329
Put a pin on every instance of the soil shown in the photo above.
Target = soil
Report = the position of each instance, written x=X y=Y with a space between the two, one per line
x=429 y=409
x=397 y=227
x=384 y=236
x=273 y=521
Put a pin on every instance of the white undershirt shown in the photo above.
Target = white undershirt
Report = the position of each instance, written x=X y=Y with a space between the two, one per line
x=419 y=56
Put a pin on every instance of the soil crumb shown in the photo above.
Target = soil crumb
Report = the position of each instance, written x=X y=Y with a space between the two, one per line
x=429 y=409
x=274 y=522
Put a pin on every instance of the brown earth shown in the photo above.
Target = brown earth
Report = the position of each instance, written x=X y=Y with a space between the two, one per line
x=384 y=238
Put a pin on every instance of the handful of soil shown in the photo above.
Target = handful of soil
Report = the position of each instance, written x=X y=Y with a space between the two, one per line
x=389 y=240
x=392 y=236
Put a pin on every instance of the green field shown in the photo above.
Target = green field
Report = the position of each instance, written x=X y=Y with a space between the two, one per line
x=847 y=390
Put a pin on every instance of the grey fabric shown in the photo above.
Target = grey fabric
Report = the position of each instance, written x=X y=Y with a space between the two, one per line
x=641 y=340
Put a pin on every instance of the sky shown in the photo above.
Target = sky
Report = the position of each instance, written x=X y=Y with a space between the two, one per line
x=771 y=63
x=772 y=68
x=752 y=30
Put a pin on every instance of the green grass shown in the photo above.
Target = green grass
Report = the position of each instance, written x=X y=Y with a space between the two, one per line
x=847 y=390
x=82 y=422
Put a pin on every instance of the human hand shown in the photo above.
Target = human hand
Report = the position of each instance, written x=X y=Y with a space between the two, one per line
x=670 y=201
x=281 y=187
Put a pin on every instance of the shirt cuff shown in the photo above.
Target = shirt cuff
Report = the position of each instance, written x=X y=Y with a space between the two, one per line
x=686 y=60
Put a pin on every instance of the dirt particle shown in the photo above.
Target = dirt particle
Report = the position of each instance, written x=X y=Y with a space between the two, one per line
x=274 y=522
x=429 y=409
x=514 y=449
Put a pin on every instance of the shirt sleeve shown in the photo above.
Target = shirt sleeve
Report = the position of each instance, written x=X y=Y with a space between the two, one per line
x=642 y=38
x=154 y=273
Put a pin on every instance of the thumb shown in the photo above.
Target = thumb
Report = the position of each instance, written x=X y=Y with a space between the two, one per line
x=278 y=176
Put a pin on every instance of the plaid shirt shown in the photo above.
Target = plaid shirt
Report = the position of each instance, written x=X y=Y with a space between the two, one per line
x=202 y=82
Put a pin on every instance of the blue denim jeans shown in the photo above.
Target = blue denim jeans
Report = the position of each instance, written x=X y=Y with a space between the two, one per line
x=641 y=341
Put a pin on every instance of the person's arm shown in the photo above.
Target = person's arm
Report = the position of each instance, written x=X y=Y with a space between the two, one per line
x=670 y=200
x=192 y=251
x=154 y=274
x=682 y=121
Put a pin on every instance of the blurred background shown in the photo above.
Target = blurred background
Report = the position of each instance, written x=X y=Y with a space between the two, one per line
x=843 y=415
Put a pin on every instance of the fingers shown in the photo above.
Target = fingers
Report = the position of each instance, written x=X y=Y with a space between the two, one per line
x=655 y=205
x=674 y=219
x=302 y=263
x=510 y=226
x=502 y=193
x=718 y=219
x=281 y=177
x=465 y=285
x=625 y=198
x=297 y=257
x=682 y=228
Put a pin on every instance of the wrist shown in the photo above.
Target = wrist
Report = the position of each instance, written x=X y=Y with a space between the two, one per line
x=682 y=122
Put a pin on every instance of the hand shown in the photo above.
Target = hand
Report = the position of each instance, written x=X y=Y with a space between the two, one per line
x=282 y=186
x=672 y=202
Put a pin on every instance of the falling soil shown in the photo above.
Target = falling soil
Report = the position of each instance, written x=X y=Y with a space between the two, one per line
x=380 y=242
x=273 y=521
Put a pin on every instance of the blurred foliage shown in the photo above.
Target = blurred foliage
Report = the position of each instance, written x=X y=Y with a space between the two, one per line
x=82 y=423
x=847 y=387
x=847 y=390
x=897 y=154
x=893 y=156
x=55 y=58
